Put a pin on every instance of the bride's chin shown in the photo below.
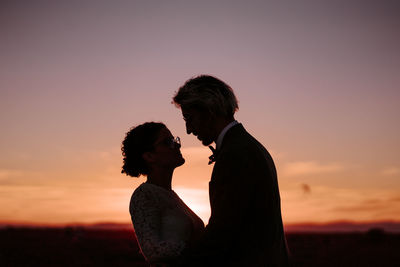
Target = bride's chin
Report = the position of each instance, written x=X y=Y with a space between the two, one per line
x=181 y=162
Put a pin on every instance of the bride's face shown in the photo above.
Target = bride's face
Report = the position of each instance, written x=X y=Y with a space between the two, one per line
x=167 y=151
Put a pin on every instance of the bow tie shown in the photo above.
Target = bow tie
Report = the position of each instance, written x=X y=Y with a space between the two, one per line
x=213 y=156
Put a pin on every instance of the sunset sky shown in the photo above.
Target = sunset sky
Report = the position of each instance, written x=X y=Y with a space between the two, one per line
x=318 y=84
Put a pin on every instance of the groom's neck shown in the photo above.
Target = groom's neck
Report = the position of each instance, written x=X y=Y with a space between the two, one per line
x=220 y=124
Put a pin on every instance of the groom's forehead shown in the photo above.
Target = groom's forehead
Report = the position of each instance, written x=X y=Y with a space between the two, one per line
x=189 y=112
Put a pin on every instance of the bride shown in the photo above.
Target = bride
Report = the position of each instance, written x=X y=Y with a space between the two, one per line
x=164 y=225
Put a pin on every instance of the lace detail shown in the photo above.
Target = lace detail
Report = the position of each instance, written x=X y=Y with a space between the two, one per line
x=163 y=223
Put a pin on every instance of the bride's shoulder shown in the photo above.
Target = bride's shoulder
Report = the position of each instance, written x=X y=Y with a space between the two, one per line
x=143 y=196
x=145 y=192
x=142 y=190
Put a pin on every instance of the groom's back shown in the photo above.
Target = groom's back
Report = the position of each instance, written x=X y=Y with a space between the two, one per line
x=245 y=223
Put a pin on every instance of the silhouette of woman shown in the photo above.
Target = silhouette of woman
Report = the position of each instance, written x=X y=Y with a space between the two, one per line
x=164 y=225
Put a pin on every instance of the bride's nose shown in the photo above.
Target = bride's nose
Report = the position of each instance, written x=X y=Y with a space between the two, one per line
x=177 y=142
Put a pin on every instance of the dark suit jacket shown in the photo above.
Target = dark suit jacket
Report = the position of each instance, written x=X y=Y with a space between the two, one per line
x=245 y=227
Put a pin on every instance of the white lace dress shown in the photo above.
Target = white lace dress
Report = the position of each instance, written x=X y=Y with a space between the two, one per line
x=163 y=224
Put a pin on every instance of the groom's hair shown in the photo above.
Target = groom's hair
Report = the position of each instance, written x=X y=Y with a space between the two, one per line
x=139 y=140
x=207 y=93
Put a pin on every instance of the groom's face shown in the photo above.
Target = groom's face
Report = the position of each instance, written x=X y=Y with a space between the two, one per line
x=200 y=124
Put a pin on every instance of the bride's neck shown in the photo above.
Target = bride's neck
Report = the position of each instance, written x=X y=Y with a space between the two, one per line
x=160 y=178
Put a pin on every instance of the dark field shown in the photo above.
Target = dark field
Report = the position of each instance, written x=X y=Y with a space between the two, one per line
x=75 y=246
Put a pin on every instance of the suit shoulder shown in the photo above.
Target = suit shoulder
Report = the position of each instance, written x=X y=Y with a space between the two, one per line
x=242 y=141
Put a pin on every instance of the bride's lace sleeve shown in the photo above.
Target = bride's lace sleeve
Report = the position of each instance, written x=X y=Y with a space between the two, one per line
x=146 y=218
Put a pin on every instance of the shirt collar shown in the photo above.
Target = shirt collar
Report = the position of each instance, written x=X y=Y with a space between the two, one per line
x=223 y=132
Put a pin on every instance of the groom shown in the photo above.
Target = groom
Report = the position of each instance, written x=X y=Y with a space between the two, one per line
x=245 y=227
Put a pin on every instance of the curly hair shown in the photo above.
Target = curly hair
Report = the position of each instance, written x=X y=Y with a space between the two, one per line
x=206 y=92
x=138 y=140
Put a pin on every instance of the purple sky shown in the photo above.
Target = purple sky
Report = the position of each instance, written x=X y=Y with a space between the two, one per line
x=318 y=85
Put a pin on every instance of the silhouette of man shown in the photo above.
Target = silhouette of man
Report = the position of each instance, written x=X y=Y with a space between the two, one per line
x=245 y=227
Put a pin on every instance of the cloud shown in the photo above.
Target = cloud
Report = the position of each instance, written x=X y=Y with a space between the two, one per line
x=310 y=167
x=374 y=205
x=333 y=203
x=5 y=173
x=360 y=207
x=11 y=177
x=62 y=204
x=395 y=199
x=391 y=171
x=306 y=188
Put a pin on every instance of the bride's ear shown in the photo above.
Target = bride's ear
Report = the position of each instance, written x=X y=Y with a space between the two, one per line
x=148 y=157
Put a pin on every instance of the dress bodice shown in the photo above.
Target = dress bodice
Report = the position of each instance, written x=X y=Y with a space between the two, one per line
x=163 y=223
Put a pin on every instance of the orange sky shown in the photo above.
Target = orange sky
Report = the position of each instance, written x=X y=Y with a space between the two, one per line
x=318 y=85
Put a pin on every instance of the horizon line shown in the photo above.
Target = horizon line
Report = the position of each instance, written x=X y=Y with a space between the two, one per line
x=392 y=226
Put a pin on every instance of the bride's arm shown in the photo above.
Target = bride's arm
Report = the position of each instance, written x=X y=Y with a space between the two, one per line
x=146 y=219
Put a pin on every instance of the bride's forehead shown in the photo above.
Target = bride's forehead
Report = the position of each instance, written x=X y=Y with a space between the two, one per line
x=164 y=133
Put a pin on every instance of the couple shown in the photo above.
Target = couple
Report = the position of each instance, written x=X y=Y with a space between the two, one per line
x=245 y=227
